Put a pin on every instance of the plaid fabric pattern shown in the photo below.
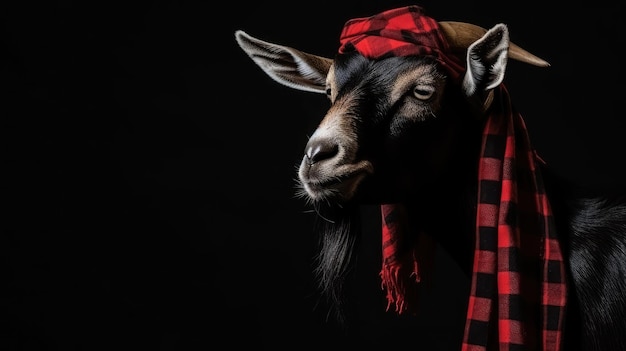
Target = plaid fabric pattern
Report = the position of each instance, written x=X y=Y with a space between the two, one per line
x=518 y=292
x=519 y=273
x=403 y=256
x=403 y=31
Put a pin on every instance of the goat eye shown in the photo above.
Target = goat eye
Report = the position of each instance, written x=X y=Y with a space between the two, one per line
x=423 y=92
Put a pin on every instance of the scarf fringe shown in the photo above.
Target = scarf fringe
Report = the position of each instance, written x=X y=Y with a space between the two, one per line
x=399 y=284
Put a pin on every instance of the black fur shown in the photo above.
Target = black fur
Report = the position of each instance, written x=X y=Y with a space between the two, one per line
x=592 y=230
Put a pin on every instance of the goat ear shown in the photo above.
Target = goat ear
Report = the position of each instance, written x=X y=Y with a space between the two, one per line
x=486 y=60
x=286 y=65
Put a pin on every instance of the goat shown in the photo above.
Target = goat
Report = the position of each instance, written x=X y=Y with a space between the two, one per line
x=421 y=124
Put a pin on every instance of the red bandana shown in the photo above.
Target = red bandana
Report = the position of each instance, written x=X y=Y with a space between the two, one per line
x=400 y=32
x=518 y=291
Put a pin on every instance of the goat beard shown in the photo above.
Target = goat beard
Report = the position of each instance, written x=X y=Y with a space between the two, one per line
x=338 y=230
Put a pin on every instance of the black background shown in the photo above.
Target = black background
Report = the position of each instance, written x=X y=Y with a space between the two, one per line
x=149 y=169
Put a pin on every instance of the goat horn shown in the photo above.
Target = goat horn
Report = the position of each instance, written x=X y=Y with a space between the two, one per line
x=461 y=35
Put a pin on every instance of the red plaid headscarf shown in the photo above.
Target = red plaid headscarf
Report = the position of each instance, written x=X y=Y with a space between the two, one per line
x=518 y=291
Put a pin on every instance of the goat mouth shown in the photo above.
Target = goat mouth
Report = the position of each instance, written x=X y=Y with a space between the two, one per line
x=341 y=186
x=334 y=182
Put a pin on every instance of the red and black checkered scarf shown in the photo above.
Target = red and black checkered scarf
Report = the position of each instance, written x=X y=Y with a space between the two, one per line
x=518 y=289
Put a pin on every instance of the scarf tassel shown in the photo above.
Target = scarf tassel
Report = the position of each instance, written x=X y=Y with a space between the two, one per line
x=402 y=279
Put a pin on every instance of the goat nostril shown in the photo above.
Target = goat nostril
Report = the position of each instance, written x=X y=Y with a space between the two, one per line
x=309 y=156
x=320 y=150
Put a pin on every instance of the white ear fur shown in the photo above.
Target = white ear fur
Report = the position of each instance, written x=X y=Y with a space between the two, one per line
x=287 y=66
x=486 y=61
